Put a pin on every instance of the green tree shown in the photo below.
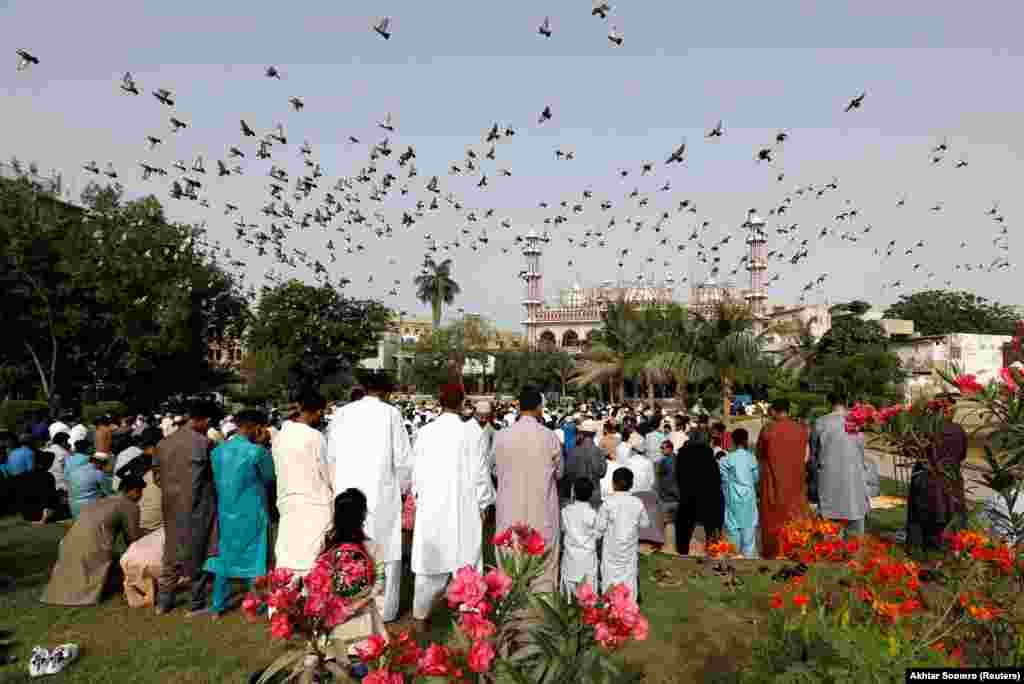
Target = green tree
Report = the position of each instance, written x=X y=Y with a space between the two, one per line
x=941 y=312
x=435 y=287
x=849 y=335
x=869 y=374
x=620 y=346
x=728 y=345
x=544 y=369
x=316 y=330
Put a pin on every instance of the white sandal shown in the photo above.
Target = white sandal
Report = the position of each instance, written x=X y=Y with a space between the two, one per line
x=38 y=664
x=61 y=657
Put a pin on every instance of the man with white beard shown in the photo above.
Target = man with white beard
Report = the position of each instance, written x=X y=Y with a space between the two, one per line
x=370 y=449
x=451 y=481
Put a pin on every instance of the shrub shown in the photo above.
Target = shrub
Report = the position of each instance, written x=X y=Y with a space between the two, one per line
x=17 y=414
x=91 y=412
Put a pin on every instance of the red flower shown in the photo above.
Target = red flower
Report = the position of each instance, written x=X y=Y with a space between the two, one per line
x=384 y=677
x=466 y=588
x=498 y=584
x=251 y=606
x=281 y=626
x=585 y=595
x=476 y=626
x=800 y=600
x=968 y=384
x=480 y=656
x=281 y=577
x=503 y=538
x=642 y=629
x=372 y=648
x=535 y=544
x=434 y=662
x=777 y=600
x=1007 y=377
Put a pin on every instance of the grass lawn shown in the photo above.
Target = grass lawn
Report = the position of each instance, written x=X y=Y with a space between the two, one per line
x=700 y=631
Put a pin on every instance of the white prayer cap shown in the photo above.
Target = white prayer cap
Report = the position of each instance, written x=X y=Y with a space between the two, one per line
x=483 y=408
x=590 y=426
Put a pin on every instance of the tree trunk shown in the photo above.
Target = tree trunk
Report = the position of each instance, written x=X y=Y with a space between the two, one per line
x=435 y=305
x=650 y=393
x=39 y=368
x=622 y=390
x=726 y=392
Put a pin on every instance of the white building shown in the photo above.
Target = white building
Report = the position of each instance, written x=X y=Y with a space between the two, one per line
x=924 y=356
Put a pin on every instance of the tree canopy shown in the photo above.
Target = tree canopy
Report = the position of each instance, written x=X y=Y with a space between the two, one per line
x=316 y=330
x=941 y=312
x=109 y=294
x=436 y=287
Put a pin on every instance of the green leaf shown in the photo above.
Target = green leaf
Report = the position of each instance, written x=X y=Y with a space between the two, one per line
x=286 y=660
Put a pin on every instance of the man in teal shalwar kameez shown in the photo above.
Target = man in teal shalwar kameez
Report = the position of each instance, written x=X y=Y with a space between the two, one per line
x=242 y=470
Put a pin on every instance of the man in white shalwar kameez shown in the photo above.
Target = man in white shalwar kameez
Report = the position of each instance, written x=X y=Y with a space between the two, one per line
x=305 y=496
x=451 y=481
x=370 y=449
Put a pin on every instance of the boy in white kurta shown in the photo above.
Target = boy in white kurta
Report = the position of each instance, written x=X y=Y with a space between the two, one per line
x=579 y=545
x=620 y=519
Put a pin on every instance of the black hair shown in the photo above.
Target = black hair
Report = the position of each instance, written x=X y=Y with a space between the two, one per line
x=81 y=446
x=377 y=381
x=781 y=404
x=530 y=398
x=62 y=438
x=312 y=401
x=42 y=460
x=357 y=394
x=740 y=437
x=150 y=437
x=250 y=417
x=131 y=481
x=200 y=408
x=703 y=419
x=835 y=399
x=622 y=479
x=719 y=427
x=349 y=516
x=583 y=489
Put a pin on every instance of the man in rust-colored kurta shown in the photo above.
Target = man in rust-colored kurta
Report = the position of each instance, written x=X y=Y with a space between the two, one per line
x=528 y=460
x=781 y=489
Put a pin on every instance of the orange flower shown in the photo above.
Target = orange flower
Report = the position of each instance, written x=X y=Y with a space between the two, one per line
x=800 y=600
x=777 y=600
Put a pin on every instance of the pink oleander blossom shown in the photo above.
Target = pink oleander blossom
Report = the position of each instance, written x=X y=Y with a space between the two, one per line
x=481 y=655
x=467 y=588
x=498 y=584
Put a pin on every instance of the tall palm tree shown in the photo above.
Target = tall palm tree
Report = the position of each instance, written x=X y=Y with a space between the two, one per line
x=800 y=347
x=435 y=287
x=616 y=348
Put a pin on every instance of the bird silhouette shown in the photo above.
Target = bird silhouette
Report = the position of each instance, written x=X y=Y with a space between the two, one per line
x=856 y=102
x=545 y=27
x=26 y=59
x=382 y=28
x=128 y=84
x=163 y=96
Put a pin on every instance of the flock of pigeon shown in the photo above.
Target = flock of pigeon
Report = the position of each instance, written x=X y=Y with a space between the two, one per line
x=388 y=198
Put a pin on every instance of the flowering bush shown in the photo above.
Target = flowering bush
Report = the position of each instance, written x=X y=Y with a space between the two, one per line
x=330 y=594
x=574 y=636
x=863 y=608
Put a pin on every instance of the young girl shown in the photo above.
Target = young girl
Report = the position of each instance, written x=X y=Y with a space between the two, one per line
x=739 y=482
x=347 y=528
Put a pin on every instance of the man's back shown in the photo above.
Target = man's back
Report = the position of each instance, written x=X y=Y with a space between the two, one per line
x=782 y=454
x=528 y=460
x=300 y=464
x=174 y=459
x=589 y=461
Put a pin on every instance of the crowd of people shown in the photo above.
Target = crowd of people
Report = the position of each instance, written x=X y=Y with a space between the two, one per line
x=203 y=499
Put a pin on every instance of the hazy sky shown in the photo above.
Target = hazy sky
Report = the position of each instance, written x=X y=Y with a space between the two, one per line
x=932 y=71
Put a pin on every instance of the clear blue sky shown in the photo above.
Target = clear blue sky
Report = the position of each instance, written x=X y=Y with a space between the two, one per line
x=932 y=71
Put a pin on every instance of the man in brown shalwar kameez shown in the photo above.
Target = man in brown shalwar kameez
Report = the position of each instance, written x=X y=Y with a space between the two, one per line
x=185 y=476
x=87 y=550
x=781 y=489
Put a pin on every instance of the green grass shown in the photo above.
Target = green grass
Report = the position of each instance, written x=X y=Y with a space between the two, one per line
x=698 y=630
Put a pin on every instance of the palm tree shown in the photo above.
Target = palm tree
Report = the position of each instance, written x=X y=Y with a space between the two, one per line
x=675 y=356
x=800 y=347
x=616 y=349
x=728 y=345
x=435 y=286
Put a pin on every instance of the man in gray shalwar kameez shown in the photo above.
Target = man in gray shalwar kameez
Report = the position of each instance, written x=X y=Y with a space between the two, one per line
x=837 y=457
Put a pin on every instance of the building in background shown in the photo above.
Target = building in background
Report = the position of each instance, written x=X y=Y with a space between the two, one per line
x=924 y=356
x=225 y=353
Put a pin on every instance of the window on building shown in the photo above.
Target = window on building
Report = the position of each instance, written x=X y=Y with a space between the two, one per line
x=220 y=354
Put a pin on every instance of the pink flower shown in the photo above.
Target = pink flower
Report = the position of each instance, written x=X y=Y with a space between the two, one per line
x=281 y=577
x=535 y=544
x=498 y=584
x=480 y=656
x=1007 y=377
x=283 y=599
x=593 y=615
x=372 y=648
x=585 y=595
x=384 y=677
x=281 y=626
x=467 y=588
x=319 y=581
x=336 y=611
x=434 y=662
x=968 y=384
x=475 y=626
x=251 y=606
x=503 y=538
x=315 y=605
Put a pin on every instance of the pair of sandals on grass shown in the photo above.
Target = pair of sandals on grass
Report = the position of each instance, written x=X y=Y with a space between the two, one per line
x=44 y=662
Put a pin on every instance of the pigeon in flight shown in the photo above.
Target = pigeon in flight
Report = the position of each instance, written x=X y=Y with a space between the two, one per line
x=677 y=155
x=128 y=84
x=781 y=137
x=91 y=167
x=545 y=27
x=246 y=131
x=111 y=172
x=177 y=124
x=382 y=28
x=26 y=59
x=544 y=115
x=153 y=141
x=615 y=36
x=717 y=131
x=272 y=72
x=764 y=154
x=297 y=103
x=387 y=124
x=856 y=102
x=163 y=96
x=222 y=169
x=601 y=9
